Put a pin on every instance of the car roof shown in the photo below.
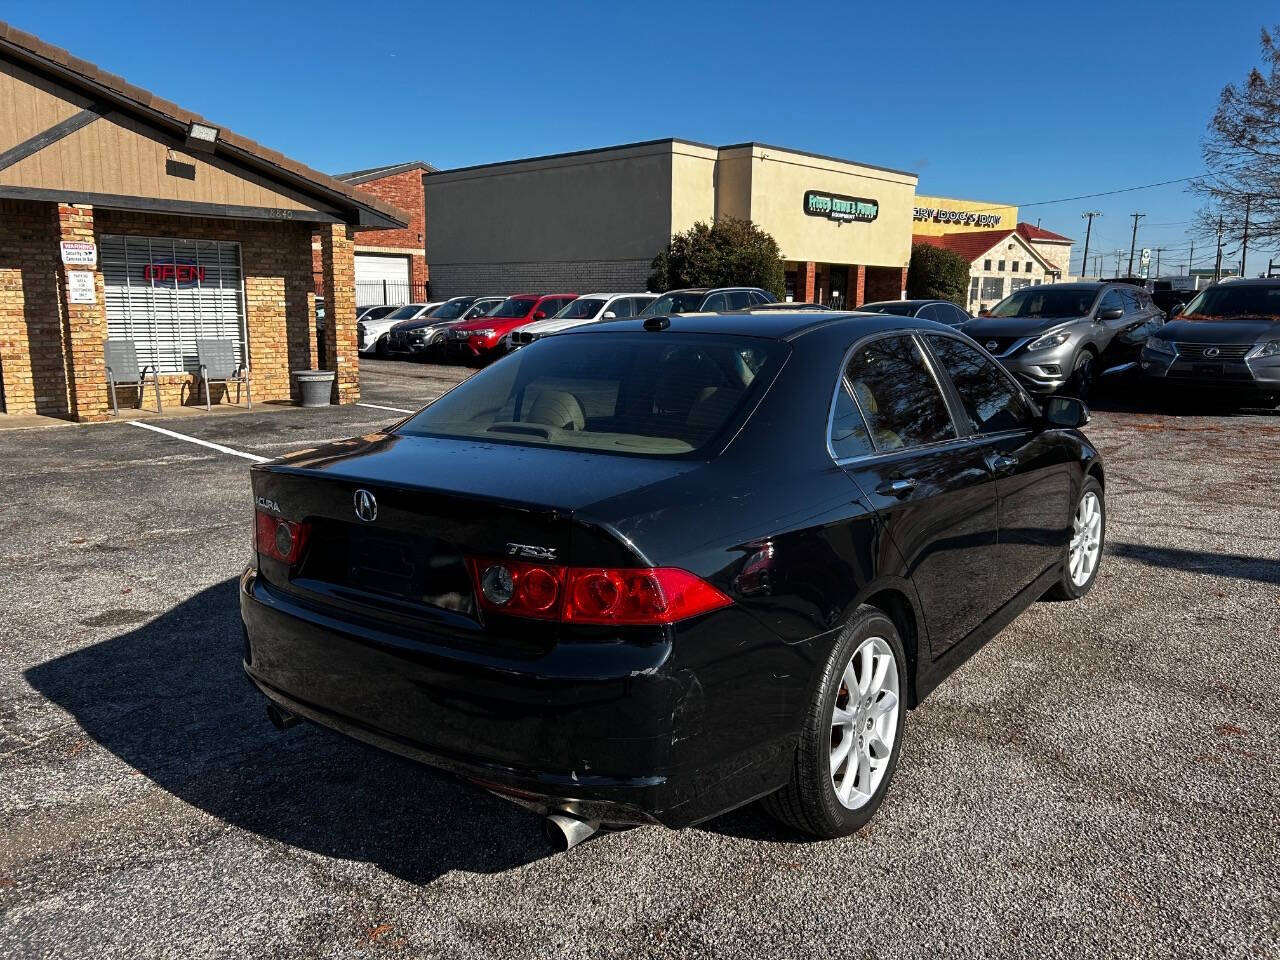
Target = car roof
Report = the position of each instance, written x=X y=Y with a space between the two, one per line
x=914 y=303
x=1076 y=285
x=1247 y=282
x=771 y=325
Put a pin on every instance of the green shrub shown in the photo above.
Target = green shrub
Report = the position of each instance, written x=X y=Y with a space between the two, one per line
x=727 y=253
x=937 y=274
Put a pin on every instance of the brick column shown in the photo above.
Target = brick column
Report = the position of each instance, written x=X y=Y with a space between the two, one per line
x=858 y=284
x=85 y=323
x=805 y=280
x=903 y=287
x=338 y=282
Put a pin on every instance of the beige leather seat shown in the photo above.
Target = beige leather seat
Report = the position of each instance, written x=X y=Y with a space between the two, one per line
x=884 y=439
x=559 y=409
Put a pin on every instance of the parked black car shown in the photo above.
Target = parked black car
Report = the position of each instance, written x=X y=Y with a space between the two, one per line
x=940 y=311
x=1061 y=336
x=1227 y=341
x=415 y=338
x=652 y=569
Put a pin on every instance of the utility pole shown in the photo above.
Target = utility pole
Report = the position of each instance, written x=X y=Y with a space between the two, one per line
x=1134 y=241
x=1190 y=257
x=1159 y=250
x=1217 y=265
x=1097 y=266
x=1088 y=215
x=1119 y=257
x=1244 y=244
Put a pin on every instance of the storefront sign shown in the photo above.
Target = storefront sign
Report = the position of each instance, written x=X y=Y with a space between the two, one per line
x=964 y=218
x=842 y=209
x=182 y=272
x=79 y=253
x=80 y=287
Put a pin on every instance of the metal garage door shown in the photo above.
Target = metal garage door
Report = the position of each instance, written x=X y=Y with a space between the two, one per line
x=381 y=278
x=163 y=293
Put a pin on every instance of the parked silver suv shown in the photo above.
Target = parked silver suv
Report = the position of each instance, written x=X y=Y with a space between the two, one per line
x=1061 y=336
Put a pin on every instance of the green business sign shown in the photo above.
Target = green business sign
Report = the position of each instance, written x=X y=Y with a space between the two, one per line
x=838 y=207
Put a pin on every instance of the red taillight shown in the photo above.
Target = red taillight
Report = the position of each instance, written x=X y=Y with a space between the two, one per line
x=592 y=595
x=279 y=539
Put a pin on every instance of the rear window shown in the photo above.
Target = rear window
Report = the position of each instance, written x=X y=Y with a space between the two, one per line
x=638 y=393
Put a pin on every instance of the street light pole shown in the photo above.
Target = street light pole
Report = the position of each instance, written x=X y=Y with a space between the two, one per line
x=1217 y=264
x=1134 y=241
x=1087 y=215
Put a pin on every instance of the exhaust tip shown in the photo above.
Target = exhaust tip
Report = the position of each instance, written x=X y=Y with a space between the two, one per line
x=281 y=719
x=565 y=831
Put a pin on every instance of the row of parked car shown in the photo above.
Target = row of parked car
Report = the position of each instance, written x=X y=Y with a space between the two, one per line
x=478 y=329
x=1057 y=337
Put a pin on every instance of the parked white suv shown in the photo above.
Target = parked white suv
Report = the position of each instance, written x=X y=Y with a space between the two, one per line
x=589 y=308
x=373 y=333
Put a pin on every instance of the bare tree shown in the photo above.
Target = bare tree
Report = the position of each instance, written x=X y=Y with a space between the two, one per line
x=1242 y=153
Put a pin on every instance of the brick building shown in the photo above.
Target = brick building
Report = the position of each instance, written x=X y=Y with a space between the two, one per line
x=124 y=216
x=391 y=265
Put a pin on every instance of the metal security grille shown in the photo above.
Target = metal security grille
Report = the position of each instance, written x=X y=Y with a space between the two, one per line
x=164 y=294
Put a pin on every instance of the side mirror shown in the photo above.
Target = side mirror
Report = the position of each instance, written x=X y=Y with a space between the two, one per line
x=609 y=315
x=1111 y=313
x=540 y=315
x=1176 y=310
x=1065 y=412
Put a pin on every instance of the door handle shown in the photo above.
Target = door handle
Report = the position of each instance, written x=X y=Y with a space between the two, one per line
x=1002 y=462
x=896 y=488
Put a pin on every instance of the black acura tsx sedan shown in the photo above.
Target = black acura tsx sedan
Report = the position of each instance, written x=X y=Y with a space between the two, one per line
x=653 y=569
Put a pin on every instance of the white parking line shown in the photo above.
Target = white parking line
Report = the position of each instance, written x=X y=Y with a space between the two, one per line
x=377 y=406
x=204 y=443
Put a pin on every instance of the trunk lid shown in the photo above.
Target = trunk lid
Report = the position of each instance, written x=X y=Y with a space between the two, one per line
x=438 y=501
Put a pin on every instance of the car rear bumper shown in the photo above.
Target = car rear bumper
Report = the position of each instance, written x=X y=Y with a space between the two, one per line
x=593 y=724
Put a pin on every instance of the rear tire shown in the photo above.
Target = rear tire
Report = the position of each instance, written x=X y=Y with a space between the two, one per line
x=1082 y=557
x=380 y=348
x=852 y=734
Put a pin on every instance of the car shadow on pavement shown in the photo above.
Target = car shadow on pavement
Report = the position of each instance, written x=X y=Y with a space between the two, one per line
x=171 y=700
x=1234 y=565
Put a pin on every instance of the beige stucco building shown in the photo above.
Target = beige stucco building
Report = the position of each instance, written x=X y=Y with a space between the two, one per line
x=595 y=219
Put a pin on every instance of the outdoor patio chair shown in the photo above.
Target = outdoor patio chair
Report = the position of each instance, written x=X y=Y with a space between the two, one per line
x=123 y=370
x=218 y=364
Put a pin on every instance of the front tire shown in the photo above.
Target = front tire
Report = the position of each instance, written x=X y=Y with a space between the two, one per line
x=1084 y=551
x=852 y=735
x=1084 y=371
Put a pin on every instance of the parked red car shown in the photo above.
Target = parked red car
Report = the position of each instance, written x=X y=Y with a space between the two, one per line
x=476 y=339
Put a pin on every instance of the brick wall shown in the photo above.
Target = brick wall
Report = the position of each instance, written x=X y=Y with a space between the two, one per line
x=51 y=351
x=480 y=279
x=32 y=345
x=884 y=283
x=279 y=297
x=403 y=190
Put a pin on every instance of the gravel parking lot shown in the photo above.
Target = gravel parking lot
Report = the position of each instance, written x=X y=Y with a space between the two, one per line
x=1102 y=779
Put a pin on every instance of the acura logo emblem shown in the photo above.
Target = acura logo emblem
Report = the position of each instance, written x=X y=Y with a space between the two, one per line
x=992 y=344
x=1212 y=352
x=366 y=506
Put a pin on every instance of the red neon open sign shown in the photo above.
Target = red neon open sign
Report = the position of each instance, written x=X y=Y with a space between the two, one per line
x=181 y=273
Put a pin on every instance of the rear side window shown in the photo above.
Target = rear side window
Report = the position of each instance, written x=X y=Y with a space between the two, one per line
x=991 y=402
x=658 y=395
x=716 y=302
x=849 y=435
x=739 y=299
x=897 y=394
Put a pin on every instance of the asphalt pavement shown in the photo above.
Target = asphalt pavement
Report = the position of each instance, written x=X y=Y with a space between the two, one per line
x=1103 y=779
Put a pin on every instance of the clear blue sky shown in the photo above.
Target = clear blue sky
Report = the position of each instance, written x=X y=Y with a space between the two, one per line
x=1008 y=102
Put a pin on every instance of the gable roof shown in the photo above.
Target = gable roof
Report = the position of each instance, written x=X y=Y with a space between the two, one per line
x=30 y=51
x=973 y=244
x=1029 y=231
x=388 y=170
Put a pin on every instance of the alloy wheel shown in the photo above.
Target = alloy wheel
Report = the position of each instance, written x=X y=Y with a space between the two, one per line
x=1086 y=539
x=1083 y=375
x=864 y=722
